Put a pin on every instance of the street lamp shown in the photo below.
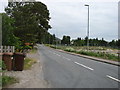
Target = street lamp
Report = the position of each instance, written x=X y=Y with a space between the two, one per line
x=88 y=27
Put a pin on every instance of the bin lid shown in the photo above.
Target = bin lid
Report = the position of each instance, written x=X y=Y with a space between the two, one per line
x=21 y=54
x=10 y=54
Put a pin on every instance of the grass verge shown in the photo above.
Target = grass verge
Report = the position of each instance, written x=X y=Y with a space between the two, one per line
x=99 y=55
x=102 y=55
x=28 y=62
x=7 y=80
x=34 y=50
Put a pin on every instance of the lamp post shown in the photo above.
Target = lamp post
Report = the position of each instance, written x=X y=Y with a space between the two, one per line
x=88 y=27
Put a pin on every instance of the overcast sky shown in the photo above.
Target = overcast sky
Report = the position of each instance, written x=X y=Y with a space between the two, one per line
x=69 y=17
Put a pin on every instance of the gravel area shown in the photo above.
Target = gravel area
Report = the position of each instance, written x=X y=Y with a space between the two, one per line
x=32 y=78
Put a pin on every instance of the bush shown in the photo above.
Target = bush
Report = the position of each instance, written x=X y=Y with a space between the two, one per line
x=52 y=46
x=28 y=47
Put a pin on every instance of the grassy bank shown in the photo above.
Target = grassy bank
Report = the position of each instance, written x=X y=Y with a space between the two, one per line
x=100 y=51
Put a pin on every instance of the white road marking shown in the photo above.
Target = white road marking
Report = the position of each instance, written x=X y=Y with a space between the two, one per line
x=50 y=51
x=57 y=54
x=113 y=78
x=84 y=66
x=66 y=58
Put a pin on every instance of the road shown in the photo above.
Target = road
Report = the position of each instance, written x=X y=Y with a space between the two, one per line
x=64 y=70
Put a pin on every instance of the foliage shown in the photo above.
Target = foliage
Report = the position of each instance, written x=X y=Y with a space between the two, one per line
x=53 y=46
x=49 y=39
x=2 y=65
x=27 y=47
x=8 y=38
x=65 y=40
x=31 y=20
x=96 y=42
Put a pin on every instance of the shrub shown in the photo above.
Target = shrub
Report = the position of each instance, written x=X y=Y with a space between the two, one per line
x=52 y=46
x=28 y=47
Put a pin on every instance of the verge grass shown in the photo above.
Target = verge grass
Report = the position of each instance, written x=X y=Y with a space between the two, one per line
x=34 y=50
x=7 y=80
x=83 y=51
x=28 y=62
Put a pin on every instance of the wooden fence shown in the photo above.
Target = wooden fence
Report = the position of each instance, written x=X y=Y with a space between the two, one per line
x=4 y=49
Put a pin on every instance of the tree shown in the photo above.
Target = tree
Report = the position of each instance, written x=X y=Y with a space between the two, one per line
x=8 y=38
x=31 y=20
x=118 y=43
x=86 y=39
x=65 y=40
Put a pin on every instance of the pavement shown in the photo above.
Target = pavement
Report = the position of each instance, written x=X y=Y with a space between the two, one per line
x=65 y=70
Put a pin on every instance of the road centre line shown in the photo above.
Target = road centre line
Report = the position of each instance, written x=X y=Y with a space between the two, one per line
x=84 y=66
x=66 y=58
x=60 y=55
x=113 y=78
x=57 y=54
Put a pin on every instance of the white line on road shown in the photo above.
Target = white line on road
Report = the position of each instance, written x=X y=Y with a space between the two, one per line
x=113 y=78
x=84 y=66
x=66 y=58
x=50 y=51
x=57 y=54
x=54 y=53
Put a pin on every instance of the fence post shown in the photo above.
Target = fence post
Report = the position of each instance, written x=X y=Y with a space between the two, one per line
x=0 y=49
x=13 y=48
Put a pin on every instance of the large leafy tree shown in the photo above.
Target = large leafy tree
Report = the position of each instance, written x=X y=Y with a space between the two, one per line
x=31 y=20
x=8 y=38
x=66 y=40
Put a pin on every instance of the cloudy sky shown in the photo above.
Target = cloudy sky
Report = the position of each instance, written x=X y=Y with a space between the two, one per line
x=69 y=17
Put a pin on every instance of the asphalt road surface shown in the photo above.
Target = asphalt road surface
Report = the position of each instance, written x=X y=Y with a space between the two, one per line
x=64 y=70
